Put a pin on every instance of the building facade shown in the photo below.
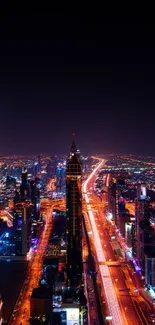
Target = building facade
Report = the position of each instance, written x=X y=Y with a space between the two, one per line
x=74 y=266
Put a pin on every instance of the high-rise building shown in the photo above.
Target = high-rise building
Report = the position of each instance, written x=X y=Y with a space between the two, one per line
x=141 y=192
x=22 y=225
x=146 y=248
x=60 y=178
x=10 y=182
x=116 y=202
x=150 y=251
x=51 y=168
x=112 y=199
x=74 y=266
x=35 y=197
x=120 y=202
x=144 y=236
x=142 y=212
x=16 y=240
x=17 y=197
x=24 y=188
x=41 y=304
x=35 y=169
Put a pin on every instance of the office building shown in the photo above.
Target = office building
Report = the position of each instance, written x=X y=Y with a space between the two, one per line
x=35 y=197
x=22 y=226
x=16 y=197
x=142 y=212
x=60 y=178
x=16 y=239
x=141 y=191
x=35 y=169
x=74 y=266
x=144 y=243
x=24 y=188
x=112 y=199
x=50 y=270
x=41 y=303
x=70 y=304
x=146 y=246
x=150 y=270
x=116 y=202
x=51 y=168
x=54 y=248
x=120 y=202
x=10 y=182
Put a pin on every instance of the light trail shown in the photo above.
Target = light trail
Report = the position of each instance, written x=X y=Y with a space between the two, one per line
x=110 y=294
x=108 y=180
x=33 y=276
x=6 y=216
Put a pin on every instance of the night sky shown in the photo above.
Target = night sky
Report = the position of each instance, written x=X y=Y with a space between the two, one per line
x=61 y=75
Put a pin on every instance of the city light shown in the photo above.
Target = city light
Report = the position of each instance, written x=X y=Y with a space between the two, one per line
x=109 y=216
x=119 y=236
x=108 y=318
x=111 y=298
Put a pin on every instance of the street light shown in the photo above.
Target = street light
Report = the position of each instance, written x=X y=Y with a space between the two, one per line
x=108 y=318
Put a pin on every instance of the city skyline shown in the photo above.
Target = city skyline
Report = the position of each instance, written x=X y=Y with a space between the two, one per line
x=77 y=170
x=88 y=247
x=72 y=74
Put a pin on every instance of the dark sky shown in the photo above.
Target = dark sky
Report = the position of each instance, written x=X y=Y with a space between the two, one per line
x=61 y=74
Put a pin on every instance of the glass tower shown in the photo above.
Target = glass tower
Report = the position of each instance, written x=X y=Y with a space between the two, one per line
x=74 y=265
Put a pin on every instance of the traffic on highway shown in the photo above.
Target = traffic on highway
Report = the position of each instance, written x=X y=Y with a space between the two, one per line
x=121 y=305
x=21 y=312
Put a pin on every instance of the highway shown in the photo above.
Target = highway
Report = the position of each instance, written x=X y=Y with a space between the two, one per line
x=59 y=203
x=21 y=311
x=127 y=270
x=117 y=274
x=120 y=304
x=111 y=298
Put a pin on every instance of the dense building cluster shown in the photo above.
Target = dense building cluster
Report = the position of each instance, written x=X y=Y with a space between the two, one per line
x=130 y=198
x=59 y=240
x=27 y=186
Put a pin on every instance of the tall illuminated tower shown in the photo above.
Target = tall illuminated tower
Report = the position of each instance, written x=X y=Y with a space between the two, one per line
x=74 y=265
x=24 y=188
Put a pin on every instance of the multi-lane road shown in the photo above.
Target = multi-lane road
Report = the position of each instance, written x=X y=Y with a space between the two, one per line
x=120 y=304
x=21 y=313
x=108 y=288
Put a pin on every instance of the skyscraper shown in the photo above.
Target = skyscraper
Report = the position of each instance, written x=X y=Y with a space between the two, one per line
x=112 y=199
x=142 y=212
x=143 y=234
x=35 y=197
x=74 y=265
x=22 y=225
x=24 y=188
